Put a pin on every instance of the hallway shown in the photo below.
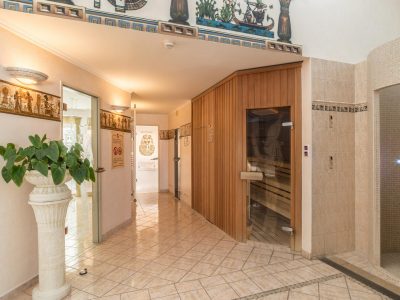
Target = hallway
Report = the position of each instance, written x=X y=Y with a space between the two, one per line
x=170 y=252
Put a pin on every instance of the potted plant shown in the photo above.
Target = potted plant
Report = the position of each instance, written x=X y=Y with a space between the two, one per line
x=48 y=165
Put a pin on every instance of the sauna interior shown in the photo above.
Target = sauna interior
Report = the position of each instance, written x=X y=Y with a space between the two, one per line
x=249 y=124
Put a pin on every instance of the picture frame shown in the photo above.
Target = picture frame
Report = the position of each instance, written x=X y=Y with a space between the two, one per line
x=23 y=101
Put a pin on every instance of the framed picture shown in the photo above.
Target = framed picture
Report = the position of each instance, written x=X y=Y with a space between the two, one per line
x=117 y=149
x=112 y=121
x=19 y=100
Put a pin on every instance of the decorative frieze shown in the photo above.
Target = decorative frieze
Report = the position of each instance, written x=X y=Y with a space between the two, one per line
x=185 y=130
x=339 y=107
x=122 y=20
x=25 y=6
x=60 y=10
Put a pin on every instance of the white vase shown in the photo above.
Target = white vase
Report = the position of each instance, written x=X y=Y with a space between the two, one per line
x=50 y=204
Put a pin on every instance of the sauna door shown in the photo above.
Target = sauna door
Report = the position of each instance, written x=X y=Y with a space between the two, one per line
x=269 y=192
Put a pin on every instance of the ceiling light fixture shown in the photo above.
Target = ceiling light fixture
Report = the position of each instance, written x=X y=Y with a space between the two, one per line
x=26 y=76
x=119 y=108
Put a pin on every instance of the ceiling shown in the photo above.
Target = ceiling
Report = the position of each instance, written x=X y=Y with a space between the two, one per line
x=138 y=62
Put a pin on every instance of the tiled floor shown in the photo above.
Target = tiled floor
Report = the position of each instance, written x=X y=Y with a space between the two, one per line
x=171 y=252
x=356 y=259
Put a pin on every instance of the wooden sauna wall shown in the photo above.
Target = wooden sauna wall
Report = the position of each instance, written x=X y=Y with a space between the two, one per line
x=219 y=142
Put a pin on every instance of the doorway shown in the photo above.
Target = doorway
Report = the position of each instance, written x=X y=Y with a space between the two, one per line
x=80 y=125
x=269 y=156
x=147 y=178
x=389 y=178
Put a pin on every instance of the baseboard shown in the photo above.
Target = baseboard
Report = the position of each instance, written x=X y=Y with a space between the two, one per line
x=11 y=294
x=306 y=254
x=109 y=233
x=164 y=191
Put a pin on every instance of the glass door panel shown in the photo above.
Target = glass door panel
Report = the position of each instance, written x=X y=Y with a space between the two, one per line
x=269 y=153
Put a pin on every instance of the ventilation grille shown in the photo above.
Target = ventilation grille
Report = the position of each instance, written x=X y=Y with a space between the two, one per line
x=284 y=47
x=59 y=10
x=177 y=29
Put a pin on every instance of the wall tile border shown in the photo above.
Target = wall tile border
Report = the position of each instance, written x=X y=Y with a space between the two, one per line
x=339 y=107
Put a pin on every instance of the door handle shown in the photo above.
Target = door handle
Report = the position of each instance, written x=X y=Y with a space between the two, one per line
x=100 y=170
x=254 y=176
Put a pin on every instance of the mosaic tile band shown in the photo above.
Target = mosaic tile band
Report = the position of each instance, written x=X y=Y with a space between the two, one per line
x=339 y=107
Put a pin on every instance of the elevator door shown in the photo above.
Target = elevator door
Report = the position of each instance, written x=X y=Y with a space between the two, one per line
x=269 y=154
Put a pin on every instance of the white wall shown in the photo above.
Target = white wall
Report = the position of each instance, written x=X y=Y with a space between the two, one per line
x=338 y=30
x=18 y=247
x=160 y=120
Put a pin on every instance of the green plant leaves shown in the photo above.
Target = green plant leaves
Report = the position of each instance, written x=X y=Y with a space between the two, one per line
x=37 y=141
x=79 y=173
x=52 y=151
x=41 y=156
x=40 y=166
x=58 y=172
x=18 y=173
x=6 y=174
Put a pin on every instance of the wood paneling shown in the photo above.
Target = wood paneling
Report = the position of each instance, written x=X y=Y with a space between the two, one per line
x=219 y=143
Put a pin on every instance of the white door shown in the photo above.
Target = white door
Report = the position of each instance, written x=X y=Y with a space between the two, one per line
x=147 y=159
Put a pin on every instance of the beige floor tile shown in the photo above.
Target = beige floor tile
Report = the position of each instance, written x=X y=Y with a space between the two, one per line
x=235 y=276
x=155 y=282
x=333 y=292
x=338 y=282
x=277 y=296
x=120 y=289
x=267 y=282
x=357 y=295
x=300 y=296
x=119 y=274
x=80 y=295
x=171 y=297
x=245 y=287
x=114 y=297
x=232 y=263
x=100 y=287
x=237 y=254
x=185 y=263
x=172 y=274
x=195 y=295
x=203 y=268
x=139 y=280
x=162 y=291
x=312 y=290
x=187 y=286
x=222 y=292
x=213 y=259
x=212 y=281
x=137 y=295
x=170 y=249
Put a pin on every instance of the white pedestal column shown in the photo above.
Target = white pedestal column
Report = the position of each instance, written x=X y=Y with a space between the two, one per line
x=50 y=204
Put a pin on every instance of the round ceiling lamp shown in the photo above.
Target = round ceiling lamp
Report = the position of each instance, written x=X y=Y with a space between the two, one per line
x=26 y=76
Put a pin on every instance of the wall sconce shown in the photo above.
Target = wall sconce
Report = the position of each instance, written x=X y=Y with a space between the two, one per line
x=119 y=108
x=26 y=76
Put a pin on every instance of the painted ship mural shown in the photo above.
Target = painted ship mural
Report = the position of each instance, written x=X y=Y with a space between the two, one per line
x=250 y=18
